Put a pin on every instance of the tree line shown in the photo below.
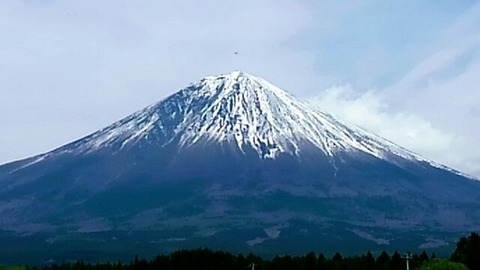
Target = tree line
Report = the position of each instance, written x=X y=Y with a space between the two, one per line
x=466 y=254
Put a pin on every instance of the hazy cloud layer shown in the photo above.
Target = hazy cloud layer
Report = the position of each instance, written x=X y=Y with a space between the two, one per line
x=405 y=69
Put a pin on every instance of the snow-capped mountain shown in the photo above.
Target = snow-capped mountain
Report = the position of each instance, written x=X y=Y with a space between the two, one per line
x=242 y=109
x=232 y=161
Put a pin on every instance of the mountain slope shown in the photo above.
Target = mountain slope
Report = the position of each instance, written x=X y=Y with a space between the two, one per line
x=238 y=108
x=235 y=161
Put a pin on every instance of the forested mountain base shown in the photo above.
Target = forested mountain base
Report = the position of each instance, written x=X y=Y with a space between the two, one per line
x=467 y=254
x=208 y=259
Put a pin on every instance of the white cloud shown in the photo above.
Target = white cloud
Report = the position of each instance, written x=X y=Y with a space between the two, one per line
x=370 y=111
x=434 y=109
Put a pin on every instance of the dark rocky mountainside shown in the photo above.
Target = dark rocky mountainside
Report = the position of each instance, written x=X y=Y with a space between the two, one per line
x=231 y=162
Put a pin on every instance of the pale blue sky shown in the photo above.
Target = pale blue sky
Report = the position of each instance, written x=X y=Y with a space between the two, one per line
x=408 y=70
x=374 y=43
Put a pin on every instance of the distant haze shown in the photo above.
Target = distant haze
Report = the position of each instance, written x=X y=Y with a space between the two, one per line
x=407 y=70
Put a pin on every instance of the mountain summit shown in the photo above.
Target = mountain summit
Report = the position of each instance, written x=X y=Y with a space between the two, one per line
x=243 y=110
x=233 y=162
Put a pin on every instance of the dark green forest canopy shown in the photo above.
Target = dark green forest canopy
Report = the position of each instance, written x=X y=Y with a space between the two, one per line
x=437 y=264
x=212 y=260
x=465 y=256
x=468 y=251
